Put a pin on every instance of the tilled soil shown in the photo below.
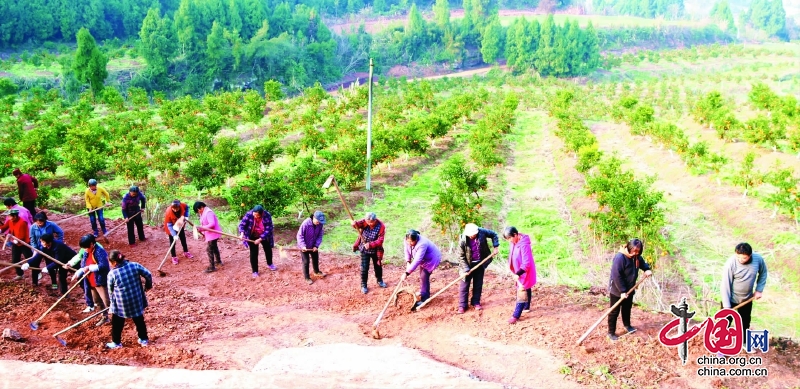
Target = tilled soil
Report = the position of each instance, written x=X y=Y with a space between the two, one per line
x=228 y=320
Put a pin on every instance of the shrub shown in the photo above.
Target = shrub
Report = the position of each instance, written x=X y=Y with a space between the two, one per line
x=458 y=202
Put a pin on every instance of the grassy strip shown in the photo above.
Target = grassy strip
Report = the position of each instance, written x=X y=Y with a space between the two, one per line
x=532 y=184
x=400 y=207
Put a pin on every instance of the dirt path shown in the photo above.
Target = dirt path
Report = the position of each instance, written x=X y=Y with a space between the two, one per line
x=227 y=320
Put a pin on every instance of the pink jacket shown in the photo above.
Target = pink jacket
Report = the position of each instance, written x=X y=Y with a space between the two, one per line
x=24 y=214
x=209 y=220
x=520 y=258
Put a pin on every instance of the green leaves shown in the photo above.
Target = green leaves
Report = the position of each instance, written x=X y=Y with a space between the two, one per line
x=90 y=63
x=458 y=203
x=86 y=151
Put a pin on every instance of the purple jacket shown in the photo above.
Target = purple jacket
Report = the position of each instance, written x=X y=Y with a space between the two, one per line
x=424 y=254
x=246 y=227
x=309 y=235
x=131 y=205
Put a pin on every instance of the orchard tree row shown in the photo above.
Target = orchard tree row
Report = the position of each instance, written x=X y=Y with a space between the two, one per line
x=628 y=206
x=181 y=142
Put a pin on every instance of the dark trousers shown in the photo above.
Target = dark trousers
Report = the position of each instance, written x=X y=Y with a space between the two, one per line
x=118 y=323
x=521 y=306
x=212 y=249
x=50 y=268
x=17 y=252
x=625 y=306
x=746 y=312
x=96 y=216
x=30 y=206
x=254 y=254
x=313 y=257
x=365 y=259
x=182 y=237
x=476 y=278
x=136 y=220
x=424 y=283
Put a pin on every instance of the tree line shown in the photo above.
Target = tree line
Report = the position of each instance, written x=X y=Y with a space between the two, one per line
x=768 y=16
x=546 y=47
x=670 y=9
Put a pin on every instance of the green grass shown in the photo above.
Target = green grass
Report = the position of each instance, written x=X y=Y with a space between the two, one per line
x=29 y=71
x=400 y=208
x=534 y=208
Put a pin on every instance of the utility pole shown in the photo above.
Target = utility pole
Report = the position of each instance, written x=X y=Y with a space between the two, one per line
x=369 y=128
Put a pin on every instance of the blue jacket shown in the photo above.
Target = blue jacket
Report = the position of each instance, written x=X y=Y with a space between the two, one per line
x=101 y=257
x=48 y=228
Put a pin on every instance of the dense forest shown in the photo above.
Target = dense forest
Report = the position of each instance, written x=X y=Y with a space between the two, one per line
x=196 y=46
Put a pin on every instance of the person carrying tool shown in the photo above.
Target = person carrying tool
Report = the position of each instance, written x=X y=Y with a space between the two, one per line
x=256 y=225
x=370 y=243
x=209 y=221
x=741 y=272
x=423 y=254
x=20 y=230
x=87 y=294
x=523 y=267
x=473 y=247
x=133 y=202
x=624 y=273
x=24 y=213
x=175 y=217
x=128 y=299
x=27 y=186
x=94 y=197
x=41 y=226
x=94 y=259
x=58 y=250
x=309 y=238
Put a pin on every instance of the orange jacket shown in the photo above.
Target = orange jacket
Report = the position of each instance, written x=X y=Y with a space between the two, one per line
x=19 y=229
x=170 y=218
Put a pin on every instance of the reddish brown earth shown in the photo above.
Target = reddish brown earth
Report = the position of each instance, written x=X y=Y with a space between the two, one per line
x=227 y=320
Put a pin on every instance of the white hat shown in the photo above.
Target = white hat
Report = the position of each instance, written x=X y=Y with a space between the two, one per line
x=470 y=229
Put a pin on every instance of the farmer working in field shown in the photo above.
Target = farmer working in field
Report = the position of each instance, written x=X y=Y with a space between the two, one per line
x=94 y=197
x=256 y=225
x=24 y=214
x=58 y=250
x=473 y=248
x=209 y=223
x=133 y=202
x=624 y=273
x=20 y=229
x=41 y=226
x=423 y=254
x=127 y=297
x=309 y=238
x=370 y=243
x=741 y=272
x=174 y=219
x=27 y=190
x=94 y=260
x=522 y=267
